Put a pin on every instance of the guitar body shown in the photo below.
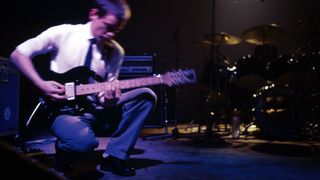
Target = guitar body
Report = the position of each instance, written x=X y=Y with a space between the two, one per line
x=78 y=75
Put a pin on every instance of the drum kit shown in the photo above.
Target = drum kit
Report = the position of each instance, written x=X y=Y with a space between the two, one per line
x=278 y=88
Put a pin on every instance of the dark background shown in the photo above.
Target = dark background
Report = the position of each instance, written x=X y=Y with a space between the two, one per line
x=168 y=29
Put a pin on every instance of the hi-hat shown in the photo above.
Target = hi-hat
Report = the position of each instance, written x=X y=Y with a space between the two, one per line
x=221 y=38
x=263 y=34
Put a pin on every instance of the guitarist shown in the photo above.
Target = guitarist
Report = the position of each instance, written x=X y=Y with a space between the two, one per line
x=91 y=44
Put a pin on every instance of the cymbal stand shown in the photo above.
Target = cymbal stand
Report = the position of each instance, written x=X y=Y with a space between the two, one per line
x=213 y=50
x=213 y=102
x=175 y=131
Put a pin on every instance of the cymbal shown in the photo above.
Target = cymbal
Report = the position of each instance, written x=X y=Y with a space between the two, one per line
x=222 y=38
x=263 y=34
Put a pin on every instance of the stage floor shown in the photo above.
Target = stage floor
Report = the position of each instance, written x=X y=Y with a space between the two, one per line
x=159 y=155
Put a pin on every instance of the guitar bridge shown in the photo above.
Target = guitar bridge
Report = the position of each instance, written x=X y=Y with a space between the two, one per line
x=70 y=91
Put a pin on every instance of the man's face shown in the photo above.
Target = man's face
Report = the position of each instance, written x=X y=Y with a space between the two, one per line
x=105 y=28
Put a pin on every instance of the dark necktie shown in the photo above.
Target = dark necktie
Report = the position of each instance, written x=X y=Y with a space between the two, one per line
x=89 y=53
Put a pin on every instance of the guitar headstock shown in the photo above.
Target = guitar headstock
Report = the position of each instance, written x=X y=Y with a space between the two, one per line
x=179 y=77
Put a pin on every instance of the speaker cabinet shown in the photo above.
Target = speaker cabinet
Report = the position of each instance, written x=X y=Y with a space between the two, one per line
x=9 y=98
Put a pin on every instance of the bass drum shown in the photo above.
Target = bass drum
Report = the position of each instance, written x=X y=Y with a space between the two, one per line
x=281 y=70
x=279 y=113
x=251 y=72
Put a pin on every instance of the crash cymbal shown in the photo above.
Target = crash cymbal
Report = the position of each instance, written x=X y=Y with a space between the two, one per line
x=222 y=38
x=263 y=34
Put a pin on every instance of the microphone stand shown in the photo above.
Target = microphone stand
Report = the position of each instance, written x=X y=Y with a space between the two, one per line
x=176 y=40
x=175 y=132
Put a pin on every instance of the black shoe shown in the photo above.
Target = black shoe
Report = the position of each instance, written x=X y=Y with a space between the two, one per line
x=62 y=166
x=117 y=166
x=63 y=162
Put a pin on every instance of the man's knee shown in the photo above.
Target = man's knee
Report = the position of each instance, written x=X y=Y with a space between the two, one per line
x=86 y=145
x=149 y=94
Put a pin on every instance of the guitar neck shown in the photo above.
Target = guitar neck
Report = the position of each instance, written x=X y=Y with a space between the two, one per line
x=122 y=84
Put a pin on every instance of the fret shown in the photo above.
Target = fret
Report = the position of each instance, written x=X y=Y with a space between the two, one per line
x=138 y=82
x=92 y=88
x=143 y=82
x=102 y=86
x=122 y=84
x=131 y=83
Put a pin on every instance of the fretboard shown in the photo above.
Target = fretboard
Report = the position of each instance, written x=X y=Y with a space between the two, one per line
x=86 y=89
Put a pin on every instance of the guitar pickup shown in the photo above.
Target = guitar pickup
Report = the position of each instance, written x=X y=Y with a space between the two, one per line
x=70 y=91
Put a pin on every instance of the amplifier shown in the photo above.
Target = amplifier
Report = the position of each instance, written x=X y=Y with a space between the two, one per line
x=137 y=65
x=9 y=97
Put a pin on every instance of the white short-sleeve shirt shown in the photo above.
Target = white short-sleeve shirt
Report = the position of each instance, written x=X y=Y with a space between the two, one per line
x=70 y=44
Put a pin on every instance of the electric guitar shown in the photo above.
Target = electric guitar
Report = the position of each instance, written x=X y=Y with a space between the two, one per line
x=77 y=86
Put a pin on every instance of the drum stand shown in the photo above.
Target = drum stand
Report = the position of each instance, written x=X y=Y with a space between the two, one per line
x=214 y=102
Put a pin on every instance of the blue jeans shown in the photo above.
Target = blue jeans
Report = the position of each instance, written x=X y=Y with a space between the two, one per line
x=77 y=133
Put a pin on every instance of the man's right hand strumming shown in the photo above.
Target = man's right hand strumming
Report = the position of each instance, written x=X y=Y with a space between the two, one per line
x=53 y=89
